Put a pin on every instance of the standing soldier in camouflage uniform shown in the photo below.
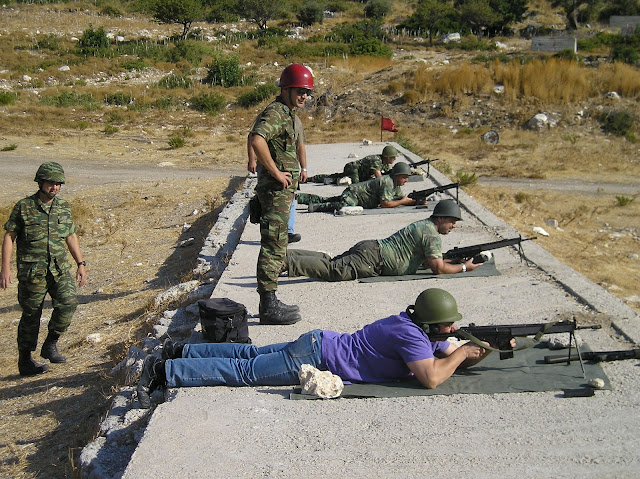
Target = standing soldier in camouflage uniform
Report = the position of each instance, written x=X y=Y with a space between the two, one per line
x=372 y=166
x=273 y=141
x=42 y=225
x=385 y=192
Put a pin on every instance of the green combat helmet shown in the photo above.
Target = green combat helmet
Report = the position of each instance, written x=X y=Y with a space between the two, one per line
x=401 y=169
x=447 y=208
x=434 y=306
x=50 y=171
x=389 y=151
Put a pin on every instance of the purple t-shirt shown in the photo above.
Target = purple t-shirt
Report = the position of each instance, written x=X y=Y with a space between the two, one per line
x=380 y=351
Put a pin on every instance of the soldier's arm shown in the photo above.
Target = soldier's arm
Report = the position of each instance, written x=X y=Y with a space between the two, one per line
x=394 y=203
x=74 y=248
x=7 y=249
x=252 y=164
x=302 y=159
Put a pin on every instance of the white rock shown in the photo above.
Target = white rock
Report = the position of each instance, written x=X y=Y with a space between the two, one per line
x=175 y=292
x=612 y=95
x=26 y=78
x=451 y=37
x=538 y=122
x=596 y=383
x=540 y=231
x=93 y=338
x=561 y=341
x=352 y=155
x=367 y=142
x=345 y=180
x=323 y=384
x=64 y=68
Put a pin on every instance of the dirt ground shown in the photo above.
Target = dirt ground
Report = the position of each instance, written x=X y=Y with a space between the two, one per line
x=135 y=199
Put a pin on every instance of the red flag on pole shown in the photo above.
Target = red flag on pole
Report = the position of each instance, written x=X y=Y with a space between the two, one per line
x=386 y=124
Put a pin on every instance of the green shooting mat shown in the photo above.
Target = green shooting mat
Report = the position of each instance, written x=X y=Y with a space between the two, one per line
x=525 y=372
x=487 y=269
x=425 y=209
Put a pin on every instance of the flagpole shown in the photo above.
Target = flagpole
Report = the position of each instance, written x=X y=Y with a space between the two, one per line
x=381 y=117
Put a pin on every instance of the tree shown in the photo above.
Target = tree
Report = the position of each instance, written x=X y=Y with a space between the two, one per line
x=184 y=12
x=575 y=10
x=479 y=15
x=259 y=11
x=311 y=12
x=432 y=16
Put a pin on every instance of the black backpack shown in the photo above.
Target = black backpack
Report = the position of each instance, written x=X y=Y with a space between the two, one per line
x=224 y=321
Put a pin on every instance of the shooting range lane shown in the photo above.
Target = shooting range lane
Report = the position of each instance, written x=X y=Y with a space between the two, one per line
x=259 y=432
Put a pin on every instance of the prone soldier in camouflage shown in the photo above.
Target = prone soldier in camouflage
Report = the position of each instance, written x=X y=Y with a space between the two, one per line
x=273 y=141
x=384 y=191
x=402 y=253
x=369 y=167
x=43 y=229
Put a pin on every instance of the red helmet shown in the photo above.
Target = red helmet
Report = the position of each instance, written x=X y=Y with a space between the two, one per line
x=296 y=76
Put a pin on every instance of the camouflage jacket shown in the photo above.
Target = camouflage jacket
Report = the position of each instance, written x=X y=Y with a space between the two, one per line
x=371 y=193
x=276 y=125
x=407 y=249
x=369 y=164
x=41 y=232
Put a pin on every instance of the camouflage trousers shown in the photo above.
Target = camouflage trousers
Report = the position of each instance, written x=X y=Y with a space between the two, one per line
x=349 y=170
x=361 y=261
x=276 y=207
x=330 y=203
x=31 y=293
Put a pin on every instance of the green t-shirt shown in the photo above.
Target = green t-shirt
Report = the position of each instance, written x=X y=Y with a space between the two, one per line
x=407 y=249
x=369 y=194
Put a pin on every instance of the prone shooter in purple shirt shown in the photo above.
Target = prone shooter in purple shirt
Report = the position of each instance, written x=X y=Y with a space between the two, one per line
x=389 y=349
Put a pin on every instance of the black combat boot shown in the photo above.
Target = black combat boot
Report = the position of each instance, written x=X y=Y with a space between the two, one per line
x=152 y=377
x=27 y=366
x=274 y=311
x=172 y=349
x=50 y=349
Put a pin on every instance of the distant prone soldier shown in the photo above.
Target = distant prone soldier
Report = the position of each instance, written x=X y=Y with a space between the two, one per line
x=385 y=192
x=372 y=166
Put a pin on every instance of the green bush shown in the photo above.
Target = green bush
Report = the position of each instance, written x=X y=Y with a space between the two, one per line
x=49 y=42
x=618 y=123
x=187 y=50
x=137 y=64
x=158 y=52
x=625 y=53
x=225 y=71
x=175 y=81
x=166 y=103
x=110 y=129
x=337 y=6
x=10 y=147
x=211 y=103
x=68 y=99
x=94 y=43
x=257 y=95
x=119 y=99
x=7 y=98
x=110 y=11
x=377 y=8
x=176 y=142
x=311 y=12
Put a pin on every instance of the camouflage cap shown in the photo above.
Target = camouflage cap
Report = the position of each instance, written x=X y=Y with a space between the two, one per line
x=50 y=171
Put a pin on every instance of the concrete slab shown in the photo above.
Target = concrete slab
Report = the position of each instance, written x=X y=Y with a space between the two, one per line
x=258 y=432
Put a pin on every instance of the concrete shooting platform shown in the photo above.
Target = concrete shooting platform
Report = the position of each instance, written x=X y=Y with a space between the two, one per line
x=255 y=432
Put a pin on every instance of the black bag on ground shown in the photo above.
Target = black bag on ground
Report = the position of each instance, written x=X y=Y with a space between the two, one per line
x=224 y=321
x=255 y=210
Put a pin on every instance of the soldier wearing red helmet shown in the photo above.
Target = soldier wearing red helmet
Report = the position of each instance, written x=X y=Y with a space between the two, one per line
x=272 y=138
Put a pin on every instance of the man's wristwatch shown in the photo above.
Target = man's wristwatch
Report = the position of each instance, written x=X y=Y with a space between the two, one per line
x=464 y=268
x=82 y=263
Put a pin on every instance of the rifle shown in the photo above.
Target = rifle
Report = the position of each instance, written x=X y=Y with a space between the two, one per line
x=424 y=162
x=501 y=336
x=596 y=356
x=421 y=195
x=460 y=255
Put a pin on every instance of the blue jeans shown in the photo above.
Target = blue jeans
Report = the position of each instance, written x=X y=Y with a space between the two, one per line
x=292 y=218
x=234 y=364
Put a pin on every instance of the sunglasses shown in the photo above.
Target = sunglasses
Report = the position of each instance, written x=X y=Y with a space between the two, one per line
x=303 y=91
